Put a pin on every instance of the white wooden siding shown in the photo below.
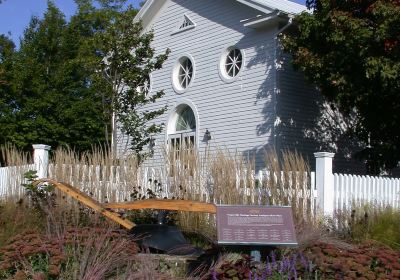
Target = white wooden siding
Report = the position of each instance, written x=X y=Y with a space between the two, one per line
x=232 y=112
x=299 y=107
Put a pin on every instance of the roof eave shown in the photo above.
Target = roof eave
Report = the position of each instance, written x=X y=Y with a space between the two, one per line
x=143 y=10
x=262 y=7
x=149 y=13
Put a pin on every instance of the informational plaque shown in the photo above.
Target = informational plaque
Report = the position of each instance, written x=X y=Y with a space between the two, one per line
x=255 y=225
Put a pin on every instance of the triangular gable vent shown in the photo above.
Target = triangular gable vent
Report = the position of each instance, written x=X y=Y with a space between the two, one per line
x=187 y=22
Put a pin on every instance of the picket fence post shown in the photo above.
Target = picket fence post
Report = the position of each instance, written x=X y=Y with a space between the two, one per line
x=41 y=159
x=324 y=182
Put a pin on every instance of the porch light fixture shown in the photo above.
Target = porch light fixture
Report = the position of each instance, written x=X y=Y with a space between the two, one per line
x=152 y=144
x=207 y=136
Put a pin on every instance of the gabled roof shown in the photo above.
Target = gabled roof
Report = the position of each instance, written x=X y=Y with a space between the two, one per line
x=152 y=7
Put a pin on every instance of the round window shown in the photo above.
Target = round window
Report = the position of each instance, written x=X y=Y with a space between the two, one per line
x=144 y=85
x=231 y=64
x=182 y=74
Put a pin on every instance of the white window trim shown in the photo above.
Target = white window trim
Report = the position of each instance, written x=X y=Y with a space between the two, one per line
x=174 y=75
x=221 y=65
x=179 y=30
x=171 y=121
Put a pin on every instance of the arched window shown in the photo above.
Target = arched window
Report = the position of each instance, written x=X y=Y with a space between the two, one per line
x=181 y=135
x=186 y=120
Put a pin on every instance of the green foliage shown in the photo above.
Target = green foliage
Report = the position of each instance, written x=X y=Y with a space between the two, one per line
x=125 y=62
x=39 y=262
x=39 y=194
x=150 y=216
x=68 y=79
x=351 y=51
x=380 y=224
x=7 y=53
x=48 y=94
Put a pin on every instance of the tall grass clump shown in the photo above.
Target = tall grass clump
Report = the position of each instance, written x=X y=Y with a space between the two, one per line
x=371 y=222
x=12 y=156
x=288 y=183
x=98 y=173
x=220 y=177
x=228 y=178
x=18 y=217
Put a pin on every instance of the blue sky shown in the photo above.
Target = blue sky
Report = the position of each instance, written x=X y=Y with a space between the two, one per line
x=16 y=14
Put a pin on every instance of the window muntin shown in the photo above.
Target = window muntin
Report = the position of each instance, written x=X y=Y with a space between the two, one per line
x=186 y=23
x=186 y=120
x=183 y=74
x=182 y=140
x=233 y=62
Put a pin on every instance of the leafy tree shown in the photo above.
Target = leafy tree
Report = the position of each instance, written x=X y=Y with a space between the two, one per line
x=69 y=78
x=7 y=52
x=52 y=98
x=351 y=51
x=125 y=62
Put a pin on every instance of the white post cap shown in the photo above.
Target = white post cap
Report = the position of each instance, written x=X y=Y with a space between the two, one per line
x=324 y=155
x=41 y=147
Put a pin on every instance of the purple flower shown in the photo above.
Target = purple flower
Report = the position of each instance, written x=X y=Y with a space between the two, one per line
x=214 y=275
x=267 y=271
x=304 y=262
x=293 y=266
x=273 y=259
x=285 y=265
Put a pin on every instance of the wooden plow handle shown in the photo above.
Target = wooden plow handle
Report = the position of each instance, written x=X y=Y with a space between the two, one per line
x=87 y=200
x=165 y=204
x=104 y=209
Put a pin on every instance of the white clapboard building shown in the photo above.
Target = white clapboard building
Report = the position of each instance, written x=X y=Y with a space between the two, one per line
x=228 y=85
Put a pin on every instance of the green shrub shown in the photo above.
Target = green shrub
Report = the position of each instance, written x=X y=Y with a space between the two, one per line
x=385 y=227
x=378 y=223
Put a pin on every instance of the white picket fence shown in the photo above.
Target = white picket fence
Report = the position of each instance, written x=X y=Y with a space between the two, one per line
x=110 y=183
x=353 y=190
x=323 y=190
x=11 y=180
